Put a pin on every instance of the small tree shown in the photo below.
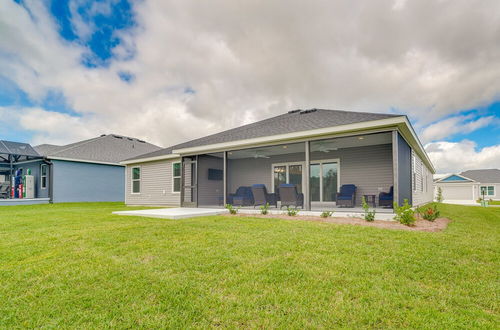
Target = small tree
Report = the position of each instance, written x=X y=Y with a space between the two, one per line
x=439 y=196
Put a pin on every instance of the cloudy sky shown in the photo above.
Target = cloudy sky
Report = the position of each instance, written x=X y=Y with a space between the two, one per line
x=169 y=71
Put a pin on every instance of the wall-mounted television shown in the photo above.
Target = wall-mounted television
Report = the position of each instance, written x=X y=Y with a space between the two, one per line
x=215 y=174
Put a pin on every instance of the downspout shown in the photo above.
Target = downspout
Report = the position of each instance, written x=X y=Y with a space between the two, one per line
x=51 y=179
x=11 y=176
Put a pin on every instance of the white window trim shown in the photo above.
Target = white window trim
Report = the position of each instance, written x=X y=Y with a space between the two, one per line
x=41 y=176
x=287 y=172
x=486 y=186
x=175 y=177
x=132 y=180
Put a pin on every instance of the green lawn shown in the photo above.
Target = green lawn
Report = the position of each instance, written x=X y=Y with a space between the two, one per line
x=76 y=265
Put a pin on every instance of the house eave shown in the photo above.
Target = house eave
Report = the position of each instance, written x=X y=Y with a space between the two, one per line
x=149 y=159
x=83 y=161
x=400 y=122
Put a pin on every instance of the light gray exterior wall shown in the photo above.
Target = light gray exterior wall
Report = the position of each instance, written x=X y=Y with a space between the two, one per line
x=87 y=182
x=422 y=184
x=369 y=168
x=156 y=184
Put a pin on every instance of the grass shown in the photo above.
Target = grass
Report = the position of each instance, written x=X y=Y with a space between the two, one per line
x=79 y=266
x=494 y=202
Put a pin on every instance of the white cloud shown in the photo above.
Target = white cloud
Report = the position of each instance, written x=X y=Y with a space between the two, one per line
x=458 y=124
x=455 y=157
x=249 y=60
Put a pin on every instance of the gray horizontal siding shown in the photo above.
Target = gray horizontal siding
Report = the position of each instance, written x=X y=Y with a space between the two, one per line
x=422 y=184
x=156 y=184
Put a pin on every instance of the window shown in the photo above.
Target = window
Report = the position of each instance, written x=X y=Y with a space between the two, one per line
x=287 y=173
x=176 y=177
x=488 y=190
x=43 y=176
x=136 y=180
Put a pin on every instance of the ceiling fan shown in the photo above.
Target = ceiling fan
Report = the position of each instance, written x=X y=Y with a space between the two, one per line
x=257 y=155
x=324 y=148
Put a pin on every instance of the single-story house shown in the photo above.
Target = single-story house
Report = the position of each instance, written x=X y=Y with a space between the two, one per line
x=315 y=159
x=469 y=186
x=85 y=171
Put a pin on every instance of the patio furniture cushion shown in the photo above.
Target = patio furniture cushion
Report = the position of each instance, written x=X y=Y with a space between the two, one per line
x=242 y=197
x=386 y=198
x=347 y=195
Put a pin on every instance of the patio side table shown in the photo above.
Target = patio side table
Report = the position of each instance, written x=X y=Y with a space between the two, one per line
x=370 y=199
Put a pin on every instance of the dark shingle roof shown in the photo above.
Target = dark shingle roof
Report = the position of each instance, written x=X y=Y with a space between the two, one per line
x=17 y=148
x=483 y=176
x=293 y=121
x=45 y=149
x=109 y=148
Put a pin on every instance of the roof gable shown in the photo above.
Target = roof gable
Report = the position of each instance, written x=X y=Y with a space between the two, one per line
x=454 y=177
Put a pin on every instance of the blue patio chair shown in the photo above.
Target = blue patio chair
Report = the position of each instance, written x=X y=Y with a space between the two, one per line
x=262 y=197
x=346 y=196
x=386 y=199
x=242 y=197
x=289 y=196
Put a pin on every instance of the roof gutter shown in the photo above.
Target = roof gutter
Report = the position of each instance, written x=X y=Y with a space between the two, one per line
x=83 y=161
x=149 y=159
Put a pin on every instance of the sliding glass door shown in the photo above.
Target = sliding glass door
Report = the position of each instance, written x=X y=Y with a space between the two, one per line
x=324 y=180
x=288 y=173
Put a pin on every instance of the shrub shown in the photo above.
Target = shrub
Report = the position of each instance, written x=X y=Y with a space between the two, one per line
x=264 y=209
x=326 y=214
x=369 y=215
x=404 y=213
x=439 y=196
x=429 y=213
x=292 y=211
x=231 y=209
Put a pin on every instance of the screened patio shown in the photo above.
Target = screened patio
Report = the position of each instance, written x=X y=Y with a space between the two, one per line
x=308 y=173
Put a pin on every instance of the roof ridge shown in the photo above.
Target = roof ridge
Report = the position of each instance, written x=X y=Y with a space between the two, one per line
x=78 y=145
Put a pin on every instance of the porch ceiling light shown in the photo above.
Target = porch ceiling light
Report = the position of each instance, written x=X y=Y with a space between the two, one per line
x=284 y=147
x=361 y=138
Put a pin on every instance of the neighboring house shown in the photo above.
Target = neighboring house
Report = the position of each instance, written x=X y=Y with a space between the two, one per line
x=85 y=171
x=317 y=151
x=467 y=187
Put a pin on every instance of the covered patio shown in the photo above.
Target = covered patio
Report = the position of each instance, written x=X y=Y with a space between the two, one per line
x=24 y=175
x=329 y=174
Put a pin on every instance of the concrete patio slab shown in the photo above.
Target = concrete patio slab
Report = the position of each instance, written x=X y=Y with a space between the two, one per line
x=173 y=213
x=184 y=212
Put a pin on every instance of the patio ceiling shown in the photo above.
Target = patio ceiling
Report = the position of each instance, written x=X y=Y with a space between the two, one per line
x=316 y=146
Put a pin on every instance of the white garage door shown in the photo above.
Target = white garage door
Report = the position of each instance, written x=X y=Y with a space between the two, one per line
x=457 y=192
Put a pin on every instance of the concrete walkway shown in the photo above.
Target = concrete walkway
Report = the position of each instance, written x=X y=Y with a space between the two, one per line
x=185 y=212
x=173 y=213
